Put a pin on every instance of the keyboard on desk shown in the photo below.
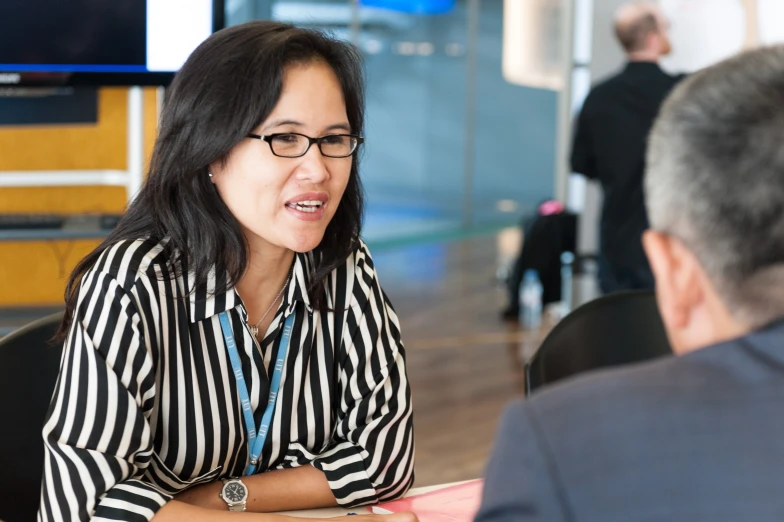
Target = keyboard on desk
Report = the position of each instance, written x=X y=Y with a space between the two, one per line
x=31 y=221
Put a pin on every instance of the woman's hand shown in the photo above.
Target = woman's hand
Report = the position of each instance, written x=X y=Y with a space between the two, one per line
x=206 y=496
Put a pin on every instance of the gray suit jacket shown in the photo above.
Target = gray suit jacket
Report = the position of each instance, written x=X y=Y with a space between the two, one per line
x=692 y=438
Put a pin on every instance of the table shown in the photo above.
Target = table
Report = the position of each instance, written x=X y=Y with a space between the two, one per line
x=339 y=511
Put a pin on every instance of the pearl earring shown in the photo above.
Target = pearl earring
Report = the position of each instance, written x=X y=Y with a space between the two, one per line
x=209 y=174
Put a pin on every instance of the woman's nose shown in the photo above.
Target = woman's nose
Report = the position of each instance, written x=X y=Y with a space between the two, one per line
x=312 y=166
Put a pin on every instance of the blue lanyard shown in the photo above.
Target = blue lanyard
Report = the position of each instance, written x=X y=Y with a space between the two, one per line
x=256 y=440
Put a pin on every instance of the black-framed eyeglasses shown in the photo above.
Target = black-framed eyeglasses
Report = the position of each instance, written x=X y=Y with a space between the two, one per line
x=295 y=145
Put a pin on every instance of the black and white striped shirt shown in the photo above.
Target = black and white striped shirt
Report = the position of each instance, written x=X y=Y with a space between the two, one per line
x=146 y=404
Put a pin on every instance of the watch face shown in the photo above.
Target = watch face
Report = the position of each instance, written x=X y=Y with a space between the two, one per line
x=234 y=492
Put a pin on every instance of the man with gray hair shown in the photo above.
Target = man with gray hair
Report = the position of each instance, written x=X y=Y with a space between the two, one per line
x=610 y=137
x=698 y=436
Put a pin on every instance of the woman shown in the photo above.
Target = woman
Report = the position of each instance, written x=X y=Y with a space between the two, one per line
x=229 y=346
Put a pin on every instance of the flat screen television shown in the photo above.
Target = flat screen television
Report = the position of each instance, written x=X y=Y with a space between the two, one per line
x=101 y=42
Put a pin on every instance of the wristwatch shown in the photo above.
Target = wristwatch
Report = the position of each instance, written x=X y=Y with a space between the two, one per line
x=234 y=493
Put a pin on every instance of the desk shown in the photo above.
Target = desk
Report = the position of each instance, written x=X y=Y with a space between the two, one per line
x=339 y=512
x=88 y=226
x=51 y=234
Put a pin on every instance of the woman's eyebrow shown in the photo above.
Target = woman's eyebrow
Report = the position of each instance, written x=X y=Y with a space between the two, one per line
x=281 y=122
x=339 y=126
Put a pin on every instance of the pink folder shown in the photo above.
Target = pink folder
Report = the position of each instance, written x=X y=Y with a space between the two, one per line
x=453 y=504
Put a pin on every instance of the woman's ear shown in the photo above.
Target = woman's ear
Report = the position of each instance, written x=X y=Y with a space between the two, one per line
x=215 y=169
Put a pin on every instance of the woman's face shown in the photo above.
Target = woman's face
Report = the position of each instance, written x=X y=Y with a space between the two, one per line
x=288 y=202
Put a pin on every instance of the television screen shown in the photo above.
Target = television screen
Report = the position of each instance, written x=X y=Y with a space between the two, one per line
x=101 y=42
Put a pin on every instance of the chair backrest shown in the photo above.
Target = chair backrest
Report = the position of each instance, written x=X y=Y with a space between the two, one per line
x=29 y=365
x=616 y=329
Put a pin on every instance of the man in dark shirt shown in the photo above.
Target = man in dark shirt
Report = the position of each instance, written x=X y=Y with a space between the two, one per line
x=610 y=142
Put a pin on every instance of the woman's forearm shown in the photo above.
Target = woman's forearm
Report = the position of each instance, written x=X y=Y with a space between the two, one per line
x=304 y=487
x=176 y=511
x=282 y=490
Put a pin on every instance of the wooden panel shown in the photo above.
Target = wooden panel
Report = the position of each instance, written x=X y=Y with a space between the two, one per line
x=99 y=146
x=65 y=200
x=150 y=122
x=34 y=273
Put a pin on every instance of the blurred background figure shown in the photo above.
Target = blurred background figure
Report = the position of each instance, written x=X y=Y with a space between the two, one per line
x=609 y=143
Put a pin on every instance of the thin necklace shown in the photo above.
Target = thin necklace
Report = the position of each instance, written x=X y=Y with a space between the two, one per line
x=254 y=330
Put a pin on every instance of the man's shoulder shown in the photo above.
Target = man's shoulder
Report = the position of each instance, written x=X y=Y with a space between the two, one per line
x=603 y=92
x=620 y=386
x=608 y=87
x=602 y=89
x=670 y=387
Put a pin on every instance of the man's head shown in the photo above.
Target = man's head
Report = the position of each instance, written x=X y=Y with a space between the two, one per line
x=715 y=195
x=643 y=31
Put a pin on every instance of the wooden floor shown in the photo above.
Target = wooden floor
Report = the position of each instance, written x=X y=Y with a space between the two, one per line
x=464 y=363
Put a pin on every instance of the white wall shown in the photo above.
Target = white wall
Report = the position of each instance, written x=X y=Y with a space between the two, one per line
x=607 y=56
x=707 y=31
x=703 y=32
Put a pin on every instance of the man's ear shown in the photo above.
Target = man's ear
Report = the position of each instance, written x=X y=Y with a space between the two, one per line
x=658 y=248
x=679 y=285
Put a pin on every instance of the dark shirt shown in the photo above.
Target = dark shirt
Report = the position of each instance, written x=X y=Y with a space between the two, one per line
x=609 y=146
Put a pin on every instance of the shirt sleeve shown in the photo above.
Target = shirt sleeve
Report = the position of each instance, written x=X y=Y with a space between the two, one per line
x=519 y=481
x=97 y=438
x=582 y=159
x=371 y=457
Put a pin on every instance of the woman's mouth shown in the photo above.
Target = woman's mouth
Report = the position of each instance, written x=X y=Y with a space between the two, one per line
x=311 y=206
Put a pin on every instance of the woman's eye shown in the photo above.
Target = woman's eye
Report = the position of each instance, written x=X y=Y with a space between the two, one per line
x=286 y=138
x=333 y=139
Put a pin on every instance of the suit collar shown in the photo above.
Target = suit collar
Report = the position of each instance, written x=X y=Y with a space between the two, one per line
x=764 y=345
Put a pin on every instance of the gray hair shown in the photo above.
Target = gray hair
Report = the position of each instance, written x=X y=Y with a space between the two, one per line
x=715 y=178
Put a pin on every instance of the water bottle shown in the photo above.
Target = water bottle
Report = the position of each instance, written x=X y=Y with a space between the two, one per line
x=567 y=261
x=531 y=300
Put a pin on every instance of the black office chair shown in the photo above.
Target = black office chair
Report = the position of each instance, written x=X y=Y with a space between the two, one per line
x=613 y=330
x=29 y=365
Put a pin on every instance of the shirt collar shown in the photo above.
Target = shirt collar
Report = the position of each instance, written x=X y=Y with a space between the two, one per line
x=642 y=67
x=205 y=302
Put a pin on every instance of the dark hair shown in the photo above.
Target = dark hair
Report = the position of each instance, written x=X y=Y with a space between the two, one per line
x=227 y=88
x=632 y=36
